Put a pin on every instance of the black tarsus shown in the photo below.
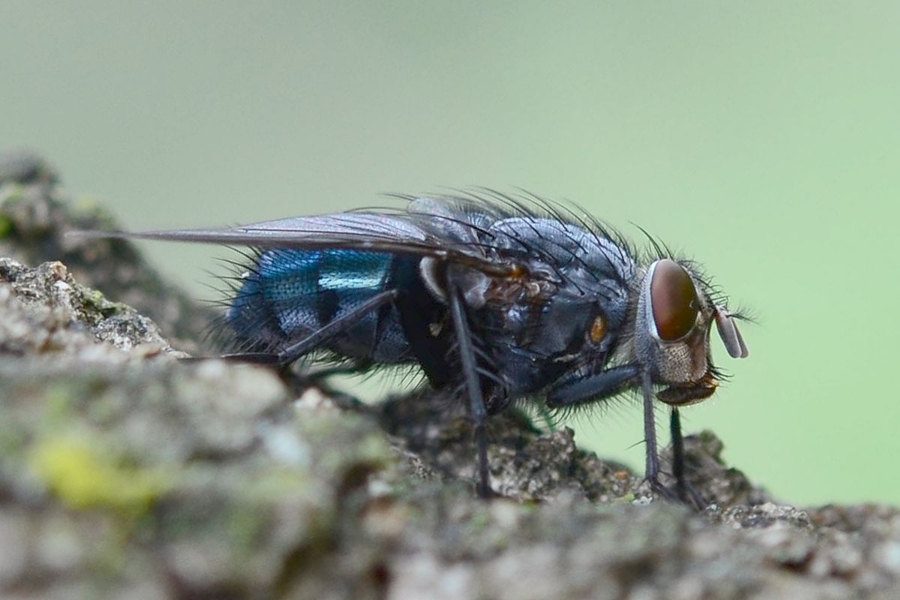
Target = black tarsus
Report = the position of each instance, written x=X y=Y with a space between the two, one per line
x=678 y=454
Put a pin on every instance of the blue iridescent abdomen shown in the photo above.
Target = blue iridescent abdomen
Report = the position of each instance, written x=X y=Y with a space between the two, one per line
x=290 y=294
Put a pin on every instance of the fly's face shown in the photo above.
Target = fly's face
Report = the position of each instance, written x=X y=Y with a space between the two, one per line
x=675 y=313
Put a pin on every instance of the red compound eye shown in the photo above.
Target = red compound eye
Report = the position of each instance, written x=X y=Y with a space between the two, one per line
x=673 y=299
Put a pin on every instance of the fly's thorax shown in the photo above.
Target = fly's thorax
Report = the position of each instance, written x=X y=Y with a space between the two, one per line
x=535 y=325
x=674 y=315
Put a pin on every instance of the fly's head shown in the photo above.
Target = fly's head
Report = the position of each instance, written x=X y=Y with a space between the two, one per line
x=675 y=313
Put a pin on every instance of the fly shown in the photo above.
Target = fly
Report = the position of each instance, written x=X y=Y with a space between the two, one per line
x=500 y=298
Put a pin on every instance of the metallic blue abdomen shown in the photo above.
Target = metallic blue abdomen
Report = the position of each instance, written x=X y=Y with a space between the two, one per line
x=290 y=294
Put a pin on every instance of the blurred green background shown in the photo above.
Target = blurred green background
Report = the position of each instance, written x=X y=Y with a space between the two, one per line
x=762 y=138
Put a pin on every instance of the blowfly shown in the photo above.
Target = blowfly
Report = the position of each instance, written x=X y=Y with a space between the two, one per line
x=498 y=299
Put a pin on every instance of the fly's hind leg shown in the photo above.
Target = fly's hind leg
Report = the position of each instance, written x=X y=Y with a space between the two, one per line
x=286 y=357
x=334 y=328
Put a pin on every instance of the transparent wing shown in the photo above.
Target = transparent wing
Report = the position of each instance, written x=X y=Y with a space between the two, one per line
x=379 y=232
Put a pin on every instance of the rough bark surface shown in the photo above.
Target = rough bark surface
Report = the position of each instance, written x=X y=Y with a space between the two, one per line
x=126 y=473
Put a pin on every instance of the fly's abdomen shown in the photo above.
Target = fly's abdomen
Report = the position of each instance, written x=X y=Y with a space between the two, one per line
x=290 y=294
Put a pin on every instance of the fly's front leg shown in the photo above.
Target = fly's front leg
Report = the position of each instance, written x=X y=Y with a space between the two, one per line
x=607 y=384
x=651 y=464
x=683 y=491
x=613 y=381
x=678 y=454
x=594 y=388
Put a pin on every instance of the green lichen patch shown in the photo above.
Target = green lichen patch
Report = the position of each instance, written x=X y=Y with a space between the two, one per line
x=84 y=476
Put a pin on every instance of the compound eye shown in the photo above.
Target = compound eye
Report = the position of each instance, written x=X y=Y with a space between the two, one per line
x=673 y=299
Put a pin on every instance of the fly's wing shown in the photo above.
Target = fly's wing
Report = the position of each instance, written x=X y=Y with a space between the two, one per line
x=378 y=232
